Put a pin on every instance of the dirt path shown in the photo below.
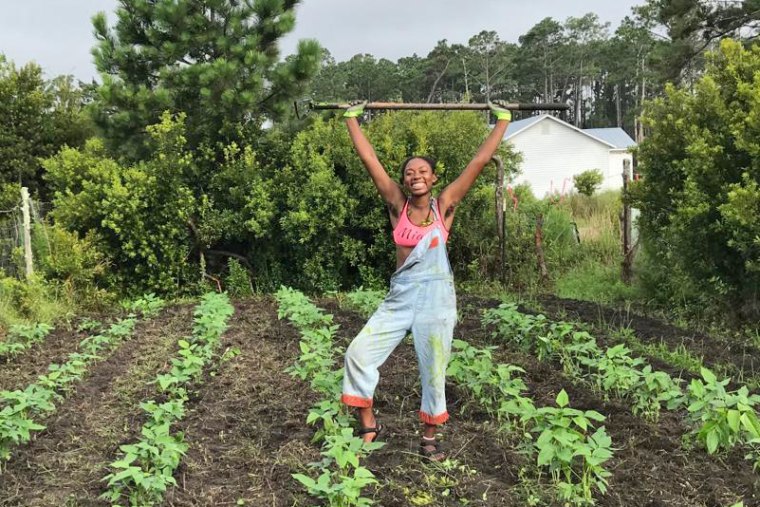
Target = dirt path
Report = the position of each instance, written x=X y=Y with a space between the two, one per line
x=248 y=431
x=64 y=464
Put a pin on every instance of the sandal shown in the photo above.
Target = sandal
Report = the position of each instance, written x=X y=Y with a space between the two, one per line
x=432 y=449
x=377 y=430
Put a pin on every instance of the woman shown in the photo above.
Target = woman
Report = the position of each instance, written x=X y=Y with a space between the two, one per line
x=421 y=297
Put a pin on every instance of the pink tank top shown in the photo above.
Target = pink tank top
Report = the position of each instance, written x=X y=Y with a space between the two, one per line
x=407 y=234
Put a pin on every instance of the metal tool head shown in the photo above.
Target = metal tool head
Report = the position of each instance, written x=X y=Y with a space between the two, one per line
x=303 y=107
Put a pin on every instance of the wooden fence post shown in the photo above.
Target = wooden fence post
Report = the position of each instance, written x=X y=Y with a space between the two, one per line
x=627 y=272
x=539 y=239
x=27 y=231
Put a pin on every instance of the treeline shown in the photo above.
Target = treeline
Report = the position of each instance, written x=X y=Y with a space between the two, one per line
x=169 y=173
x=604 y=74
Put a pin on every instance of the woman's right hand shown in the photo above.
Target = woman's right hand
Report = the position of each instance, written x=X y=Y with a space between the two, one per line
x=355 y=109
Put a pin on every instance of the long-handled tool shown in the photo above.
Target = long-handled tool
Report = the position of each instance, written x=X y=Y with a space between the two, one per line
x=305 y=106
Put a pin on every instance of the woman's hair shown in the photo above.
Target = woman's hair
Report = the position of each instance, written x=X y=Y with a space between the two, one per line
x=429 y=160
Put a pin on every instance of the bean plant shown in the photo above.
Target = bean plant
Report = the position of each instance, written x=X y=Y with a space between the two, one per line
x=365 y=301
x=21 y=409
x=613 y=371
x=340 y=478
x=722 y=418
x=145 y=469
x=574 y=456
x=21 y=337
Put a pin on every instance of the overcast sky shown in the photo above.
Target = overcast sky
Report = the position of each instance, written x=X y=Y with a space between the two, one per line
x=57 y=34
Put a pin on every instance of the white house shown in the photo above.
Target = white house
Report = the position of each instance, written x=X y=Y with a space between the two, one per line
x=554 y=151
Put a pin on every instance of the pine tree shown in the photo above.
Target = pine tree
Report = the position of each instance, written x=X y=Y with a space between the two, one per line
x=218 y=61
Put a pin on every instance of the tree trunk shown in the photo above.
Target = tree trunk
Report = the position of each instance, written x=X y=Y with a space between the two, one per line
x=437 y=79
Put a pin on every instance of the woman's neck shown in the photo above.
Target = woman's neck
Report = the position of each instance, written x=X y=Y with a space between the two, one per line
x=420 y=201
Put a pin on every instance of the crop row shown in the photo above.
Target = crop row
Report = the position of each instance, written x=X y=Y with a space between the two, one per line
x=145 y=469
x=565 y=442
x=719 y=419
x=21 y=409
x=339 y=477
x=21 y=337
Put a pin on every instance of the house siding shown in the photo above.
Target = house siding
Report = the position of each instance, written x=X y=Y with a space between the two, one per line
x=553 y=153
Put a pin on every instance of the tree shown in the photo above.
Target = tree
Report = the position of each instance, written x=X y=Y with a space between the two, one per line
x=585 y=36
x=137 y=215
x=693 y=26
x=215 y=60
x=491 y=65
x=38 y=118
x=540 y=62
x=23 y=107
x=700 y=192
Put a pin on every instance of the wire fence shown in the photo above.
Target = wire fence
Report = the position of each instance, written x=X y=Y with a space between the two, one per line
x=12 y=235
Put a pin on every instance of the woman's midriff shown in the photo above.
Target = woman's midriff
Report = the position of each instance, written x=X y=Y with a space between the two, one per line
x=402 y=252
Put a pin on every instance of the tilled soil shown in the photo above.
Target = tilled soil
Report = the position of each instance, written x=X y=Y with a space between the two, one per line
x=65 y=463
x=19 y=371
x=246 y=428
x=248 y=431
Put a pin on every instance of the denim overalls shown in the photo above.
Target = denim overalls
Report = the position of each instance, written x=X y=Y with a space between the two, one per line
x=421 y=299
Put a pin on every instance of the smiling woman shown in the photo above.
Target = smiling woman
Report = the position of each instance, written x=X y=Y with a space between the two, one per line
x=421 y=297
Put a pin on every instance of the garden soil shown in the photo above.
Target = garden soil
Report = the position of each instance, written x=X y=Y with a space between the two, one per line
x=245 y=425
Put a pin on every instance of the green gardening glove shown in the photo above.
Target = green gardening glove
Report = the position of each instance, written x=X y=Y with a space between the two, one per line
x=355 y=109
x=499 y=111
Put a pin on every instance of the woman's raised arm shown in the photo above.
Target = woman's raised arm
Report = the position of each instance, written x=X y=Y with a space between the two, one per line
x=389 y=189
x=453 y=194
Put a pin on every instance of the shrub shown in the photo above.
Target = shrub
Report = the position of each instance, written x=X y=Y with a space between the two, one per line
x=238 y=282
x=700 y=192
x=588 y=182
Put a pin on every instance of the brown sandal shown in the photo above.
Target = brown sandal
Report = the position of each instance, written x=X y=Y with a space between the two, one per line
x=377 y=430
x=432 y=449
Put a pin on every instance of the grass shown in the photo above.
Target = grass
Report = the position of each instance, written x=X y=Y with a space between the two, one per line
x=32 y=301
x=593 y=281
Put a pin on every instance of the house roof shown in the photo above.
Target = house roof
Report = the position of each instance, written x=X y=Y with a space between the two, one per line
x=615 y=138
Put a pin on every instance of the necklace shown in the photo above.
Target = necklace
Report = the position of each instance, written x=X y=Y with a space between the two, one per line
x=427 y=220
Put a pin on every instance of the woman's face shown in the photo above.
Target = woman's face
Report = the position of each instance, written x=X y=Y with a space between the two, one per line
x=419 y=177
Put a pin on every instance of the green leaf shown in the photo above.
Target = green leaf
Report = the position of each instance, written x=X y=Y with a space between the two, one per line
x=562 y=399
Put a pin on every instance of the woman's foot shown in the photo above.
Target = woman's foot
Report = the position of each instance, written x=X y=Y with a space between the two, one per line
x=371 y=433
x=369 y=428
x=430 y=448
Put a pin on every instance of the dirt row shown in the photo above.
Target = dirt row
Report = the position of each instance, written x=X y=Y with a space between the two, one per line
x=246 y=429
x=19 y=371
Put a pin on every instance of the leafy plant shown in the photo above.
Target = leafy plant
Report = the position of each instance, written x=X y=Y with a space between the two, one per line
x=574 y=457
x=340 y=478
x=724 y=418
x=588 y=182
x=22 y=336
x=145 y=471
x=365 y=301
